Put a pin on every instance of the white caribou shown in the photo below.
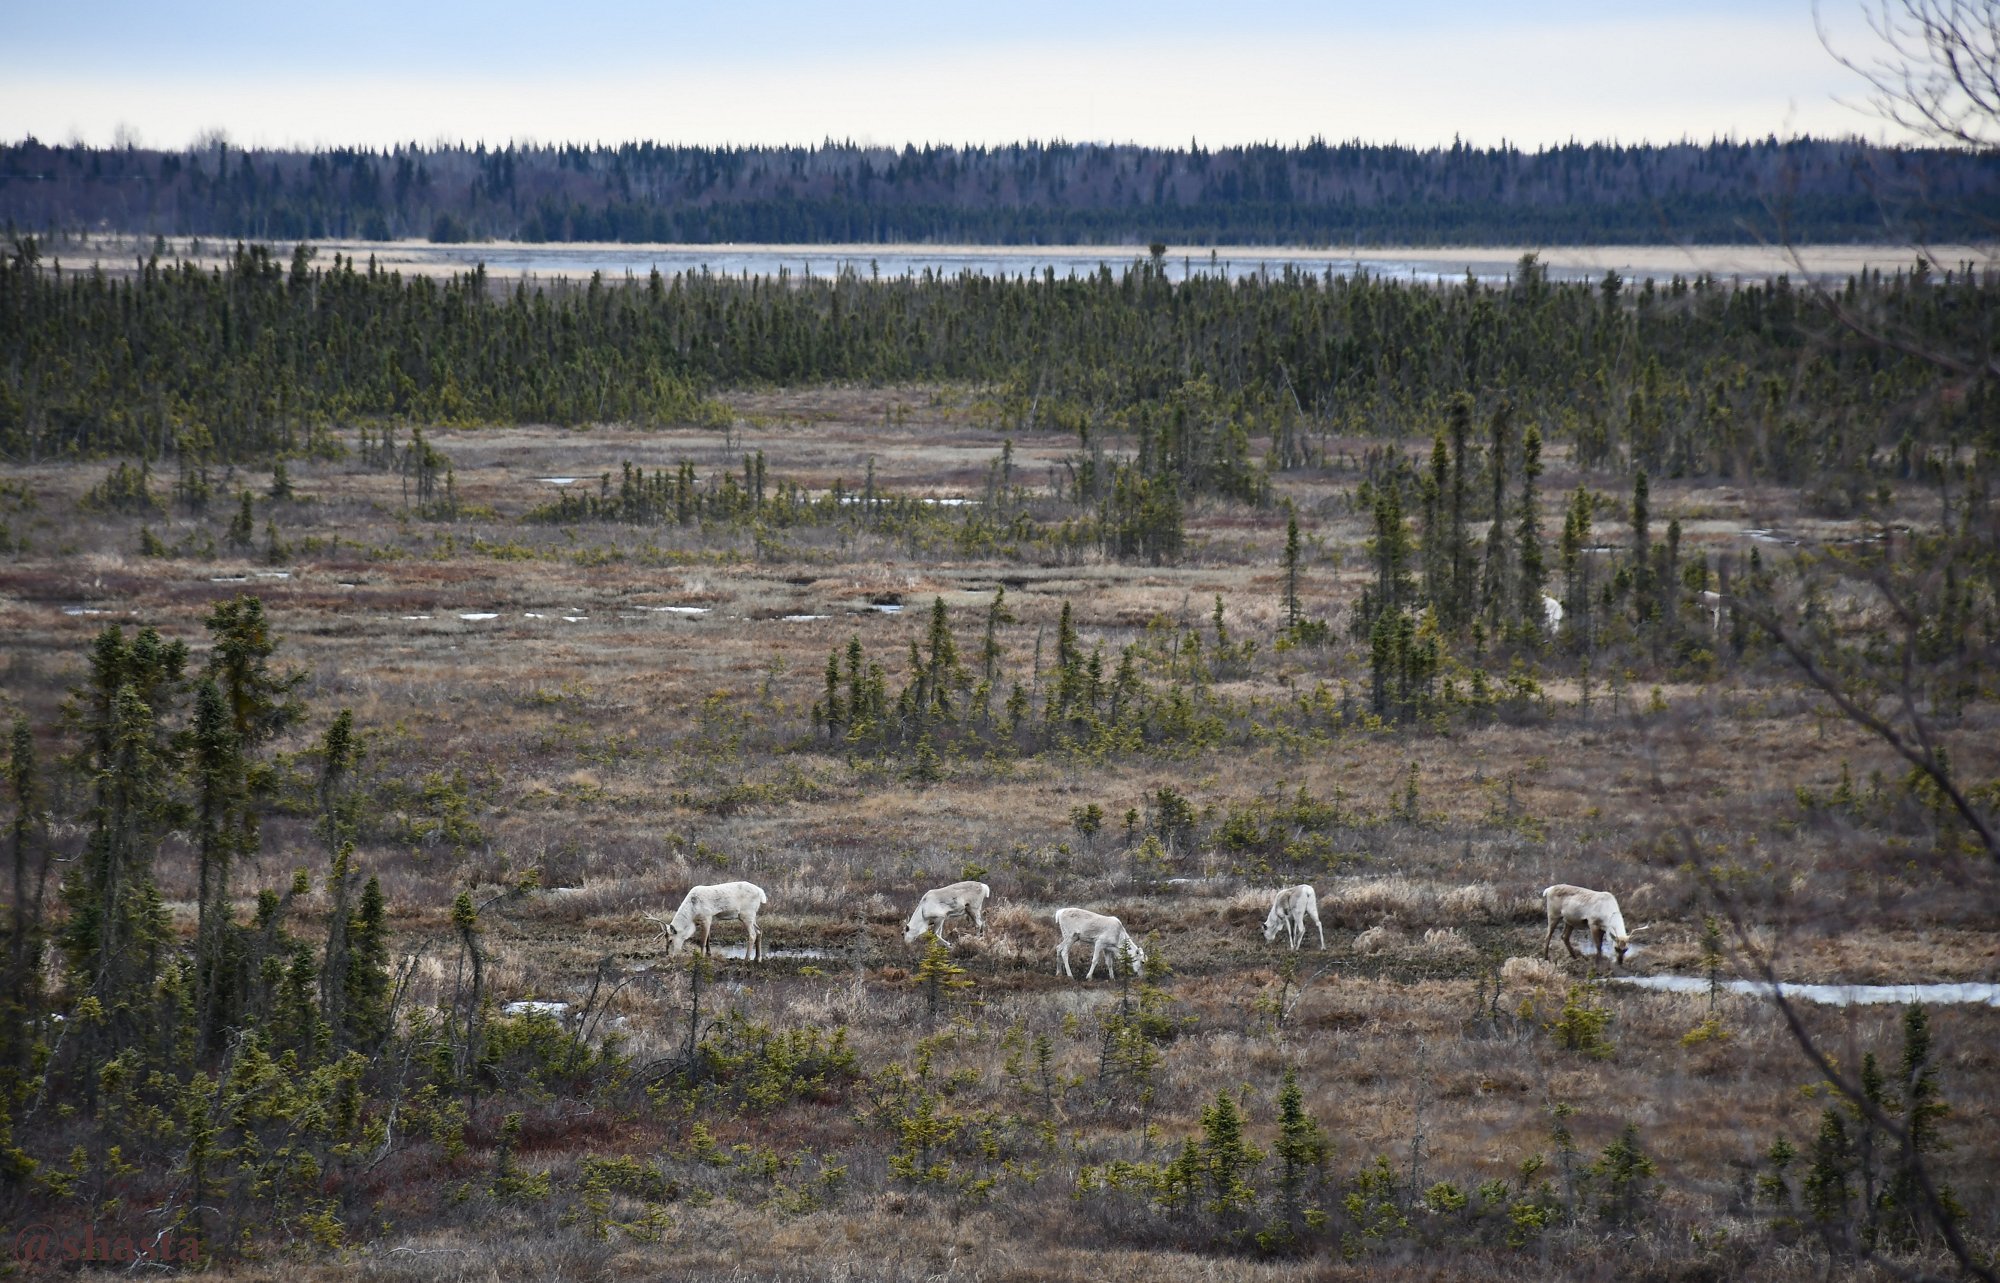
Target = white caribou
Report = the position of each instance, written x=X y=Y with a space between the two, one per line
x=959 y=900
x=1570 y=907
x=724 y=902
x=1106 y=934
x=1289 y=910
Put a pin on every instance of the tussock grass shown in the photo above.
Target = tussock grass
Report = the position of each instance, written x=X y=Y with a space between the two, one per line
x=1536 y=973
x=628 y=758
x=1381 y=938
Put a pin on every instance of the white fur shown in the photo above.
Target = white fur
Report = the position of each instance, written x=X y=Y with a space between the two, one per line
x=959 y=900
x=725 y=902
x=1570 y=907
x=1713 y=602
x=1107 y=936
x=1289 y=910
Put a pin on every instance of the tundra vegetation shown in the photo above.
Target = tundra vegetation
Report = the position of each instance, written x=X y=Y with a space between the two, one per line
x=384 y=654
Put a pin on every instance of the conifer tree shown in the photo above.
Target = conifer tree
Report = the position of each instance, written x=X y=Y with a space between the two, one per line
x=220 y=790
x=243 y=526
x=1828 y=1190
x=1291 y=598
x=1069 y=666
x=989 y=646
x=942 y=672
x=1494 y=587
x=1227 y=1158
x=832 y=709
x=1302 y=1151
x=469 y=1002
x=1624 y=1174
x=1533 y=577
x=339 y=753
x=116 y=927
x=1390 y=552
x=1381 y=662
x=24 y=937
x=261 y=699
x=1576 y=566
x=1875 y=1098
x=1642 y=552
x=1437 y=533
x=118 y=931
x=1666 y=580
x=366 y=1009
x=859 y=712
x=1906 y=1208
x=1460 y=559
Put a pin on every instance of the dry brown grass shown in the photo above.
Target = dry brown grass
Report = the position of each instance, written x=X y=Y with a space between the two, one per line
x=585 y=756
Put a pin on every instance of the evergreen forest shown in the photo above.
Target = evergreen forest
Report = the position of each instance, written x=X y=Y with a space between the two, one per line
x=1316 y=194
x=178 y=366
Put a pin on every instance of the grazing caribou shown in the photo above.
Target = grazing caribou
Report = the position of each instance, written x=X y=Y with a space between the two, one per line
x=1289 y=910
x=1570 y=907
x=938 y=905
x=1107 y=935
x=724 y=902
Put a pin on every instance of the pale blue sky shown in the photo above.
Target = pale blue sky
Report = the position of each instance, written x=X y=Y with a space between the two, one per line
x=763 y=71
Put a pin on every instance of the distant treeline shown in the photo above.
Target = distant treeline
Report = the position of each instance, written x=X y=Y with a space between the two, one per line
x=1035 y=193
x=1689 y=377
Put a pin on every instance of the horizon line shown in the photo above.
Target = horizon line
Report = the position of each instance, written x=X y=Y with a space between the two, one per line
x=210 y=138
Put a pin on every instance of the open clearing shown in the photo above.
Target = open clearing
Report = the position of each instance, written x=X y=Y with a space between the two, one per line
x=626 y=710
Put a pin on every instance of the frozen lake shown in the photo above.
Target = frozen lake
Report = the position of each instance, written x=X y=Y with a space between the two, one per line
x=506 y=259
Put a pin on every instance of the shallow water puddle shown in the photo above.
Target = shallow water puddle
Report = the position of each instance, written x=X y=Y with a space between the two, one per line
x=804 y=619
x=678 y=610
x=1981 y=992
x=559 y=1010
x=736 y=952
x=229 y=579
x=477 y=616
x=84 y=610
x=575 y=619
x=557 y=481
x=885 y=497
x=562 y=1013
x=414 y=617
x=887 y=608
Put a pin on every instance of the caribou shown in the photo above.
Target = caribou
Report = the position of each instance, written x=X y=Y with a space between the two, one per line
x=938 y=905
x=1570 y=907
x=1107 y=935
x=1289 y=910
x=724 y=902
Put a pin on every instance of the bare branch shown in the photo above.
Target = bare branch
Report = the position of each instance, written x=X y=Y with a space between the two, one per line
x=1937 y=74
x=1921 y=754
x=1850 y=1090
